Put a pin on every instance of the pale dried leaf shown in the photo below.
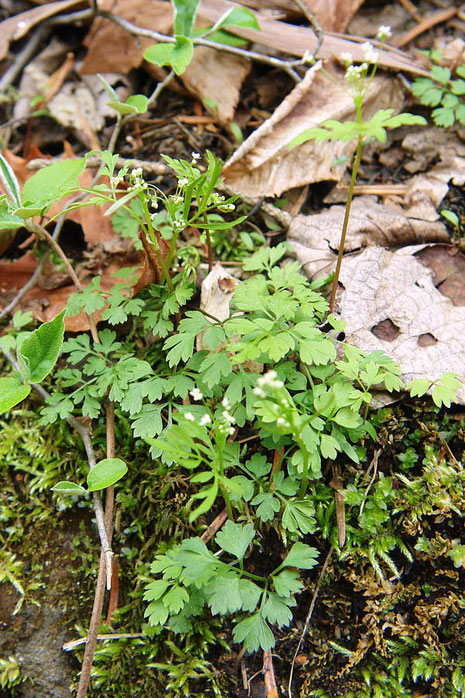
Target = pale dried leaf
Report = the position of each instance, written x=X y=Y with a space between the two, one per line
x=265 y=166
x=434 y=144
x=19 y=25
x=316 y=238
x=216 y=294
x=393 y=289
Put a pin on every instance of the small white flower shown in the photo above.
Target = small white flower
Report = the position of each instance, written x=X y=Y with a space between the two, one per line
x=308 y=57
x=225 y=402
x=183 y=182
x=384 y=32
x=353 y=73
x=228 y=417
x=196 y=394
x=280 y=421
x=232 y=431
x=137 y=172
x=189 y=416
x=370 y=54
x=346 y=56
x=258 y=392
x=195 y=156
x=205 y=419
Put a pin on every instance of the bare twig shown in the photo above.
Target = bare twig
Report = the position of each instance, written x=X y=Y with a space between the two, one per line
x=40 y=231
x=314 y=23
x=309 y=617
x=268 y=675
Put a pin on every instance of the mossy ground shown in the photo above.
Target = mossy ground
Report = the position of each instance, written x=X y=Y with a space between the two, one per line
x=369 y=636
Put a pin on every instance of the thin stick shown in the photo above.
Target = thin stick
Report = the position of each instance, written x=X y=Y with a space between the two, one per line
x=314 y=23
x=309 y=617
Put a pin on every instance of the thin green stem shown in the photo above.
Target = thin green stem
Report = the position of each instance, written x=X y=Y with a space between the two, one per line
x=355 y=169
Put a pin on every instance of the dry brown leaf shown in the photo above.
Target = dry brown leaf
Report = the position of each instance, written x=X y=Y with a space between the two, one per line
x=19 y=25
x=265 y=166
x=216 y=76
x=448 y=267
x=382 y=288
x=316 y=238
x=432 y=144
x=333 y=15
x=112 y=49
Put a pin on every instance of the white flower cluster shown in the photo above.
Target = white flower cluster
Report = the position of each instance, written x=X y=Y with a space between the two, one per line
x=355 y=72
x=203 y=421
x=137 y=179
x=384 y=32
x=196 y=394
x=227 y=420
x=216 y=198
x=176 y=199
x=183 y=182
x=308 y=57
x=179 y=224
x=226 y=207
x=195 y=157
x=370 y=54
x=346 y=57
x=267 y=382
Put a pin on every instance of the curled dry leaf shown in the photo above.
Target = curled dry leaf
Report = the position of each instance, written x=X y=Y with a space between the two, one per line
x=316 y=238
x=439 y=151
x=216 y=294
x=265 y=166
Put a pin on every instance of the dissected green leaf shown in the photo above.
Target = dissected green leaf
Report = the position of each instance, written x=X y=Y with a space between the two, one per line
x=302 y=556
x=235 y=538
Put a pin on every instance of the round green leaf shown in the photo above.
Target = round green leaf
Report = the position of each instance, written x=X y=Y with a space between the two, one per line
x=105 y=473
x=66 y=487
x=12 y=391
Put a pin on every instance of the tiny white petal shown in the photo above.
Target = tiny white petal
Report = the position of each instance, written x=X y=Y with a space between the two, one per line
x=189 y=416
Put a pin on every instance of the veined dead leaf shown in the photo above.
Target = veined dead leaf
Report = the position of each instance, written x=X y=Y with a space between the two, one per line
x=264 y=165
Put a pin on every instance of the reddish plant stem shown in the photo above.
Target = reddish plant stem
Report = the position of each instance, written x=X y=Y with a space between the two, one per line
x=91 y=642
x=355 y=168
